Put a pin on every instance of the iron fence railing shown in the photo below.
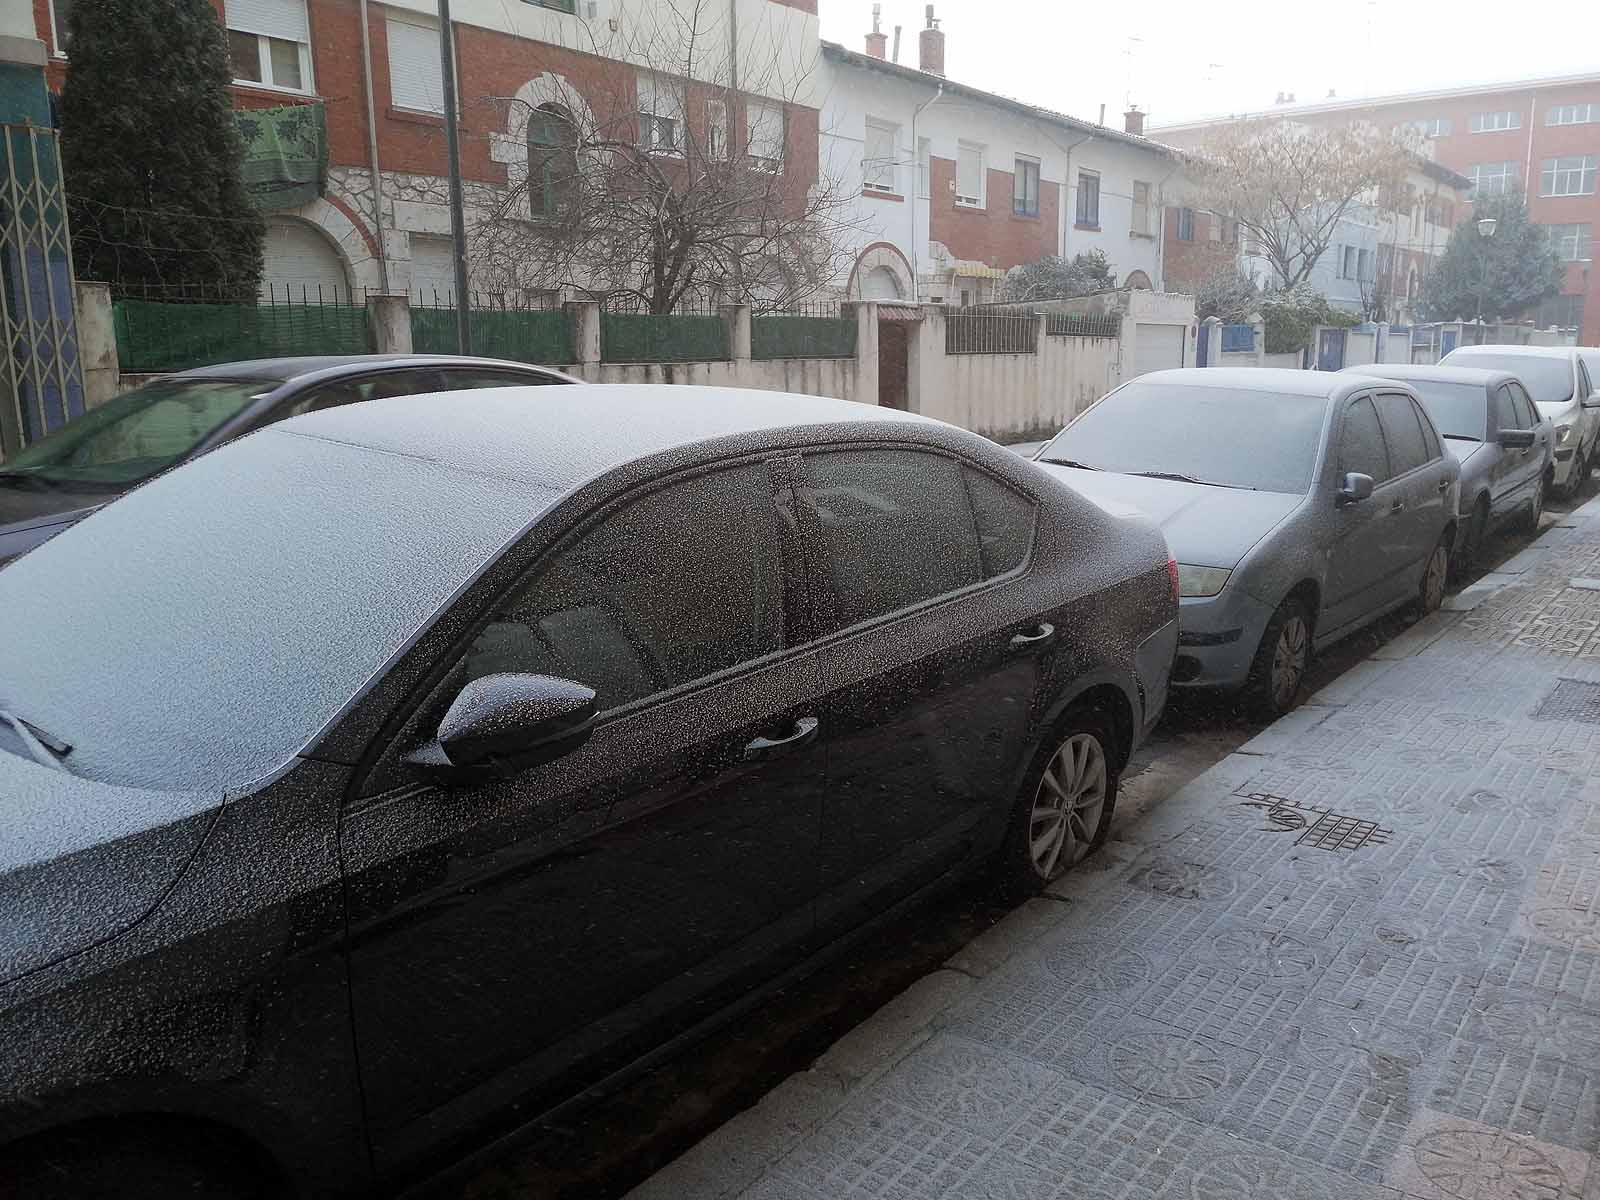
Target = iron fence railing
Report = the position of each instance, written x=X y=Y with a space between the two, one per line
x=979 y=331
x=531 y=329
x=1236 y=338
x=1082 y=325
x=175 y=334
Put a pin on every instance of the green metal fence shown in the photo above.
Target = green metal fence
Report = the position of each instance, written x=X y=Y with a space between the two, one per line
x=540 y=335
x=676 y=337
x=165 y=335
x=990 y=331
x=825 y=333
x=1082 y=325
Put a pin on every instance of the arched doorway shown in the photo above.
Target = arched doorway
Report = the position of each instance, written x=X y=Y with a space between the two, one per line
x=298 y=261
x=880 y=283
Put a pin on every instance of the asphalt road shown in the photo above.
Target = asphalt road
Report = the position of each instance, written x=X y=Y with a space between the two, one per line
x=605 y=1152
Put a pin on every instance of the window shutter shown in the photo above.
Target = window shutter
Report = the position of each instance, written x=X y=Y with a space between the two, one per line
x=969 y=173
x=284 y=19
x=766 y=131
x=416 y=77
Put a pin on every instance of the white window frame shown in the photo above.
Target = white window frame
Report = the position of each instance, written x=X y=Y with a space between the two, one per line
x=1139 y=218
x=1432 y=127
x=978 y=201
x=308 y=83
x=1078 y=214
x=1580 y=235
x=879 y=173
x=1585 y=172
x=1495 y=122
x=57 y=46
x=772 y=163
x=1021 y=161
x=1583 y=113
x=391 y=20
x=651 y=90
x=716 y=130
x=1506 y=177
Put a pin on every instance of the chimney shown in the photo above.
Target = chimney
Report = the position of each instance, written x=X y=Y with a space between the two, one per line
x=897 y=44
x=931 y=46
x=877 y=43
x=1133 y=120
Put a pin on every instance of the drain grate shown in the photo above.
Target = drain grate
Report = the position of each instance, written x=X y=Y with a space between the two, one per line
x=1571 y=701
x=1319 y=828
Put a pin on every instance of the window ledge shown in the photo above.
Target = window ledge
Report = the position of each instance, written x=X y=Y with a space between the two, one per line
x=875 y=194
x=1148 y=237
x=413 y=116
x=1025 y=216
x=1087 y=228
x=974 y=205
x=270 y=89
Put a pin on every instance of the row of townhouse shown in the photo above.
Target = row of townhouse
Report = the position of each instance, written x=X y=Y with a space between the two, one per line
x=948 y=186
x=1539 y=137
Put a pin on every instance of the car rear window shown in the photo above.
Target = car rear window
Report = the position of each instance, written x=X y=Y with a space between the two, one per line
x=1548 y=380
x=1460 y=410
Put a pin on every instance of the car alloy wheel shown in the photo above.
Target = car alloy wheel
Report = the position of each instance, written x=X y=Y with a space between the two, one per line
x=1068 y=805
x=1289 y=660
x=1434 y=576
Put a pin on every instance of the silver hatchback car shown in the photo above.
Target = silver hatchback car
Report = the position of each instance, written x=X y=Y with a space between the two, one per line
x=1300 y=506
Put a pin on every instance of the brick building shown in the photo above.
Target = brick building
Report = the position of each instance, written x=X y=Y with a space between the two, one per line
x=1538 y=136
x=381 y=219
x=957 y=185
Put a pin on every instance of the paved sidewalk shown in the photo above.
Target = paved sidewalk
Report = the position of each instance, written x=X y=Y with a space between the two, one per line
x=1359 y=958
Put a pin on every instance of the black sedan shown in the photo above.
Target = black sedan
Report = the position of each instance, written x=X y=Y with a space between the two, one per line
x=384 y=780
x=70 y=472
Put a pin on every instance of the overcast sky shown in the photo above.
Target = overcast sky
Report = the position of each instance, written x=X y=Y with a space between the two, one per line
x=1198 y=59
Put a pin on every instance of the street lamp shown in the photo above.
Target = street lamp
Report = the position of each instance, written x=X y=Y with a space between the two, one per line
x=1486 y=228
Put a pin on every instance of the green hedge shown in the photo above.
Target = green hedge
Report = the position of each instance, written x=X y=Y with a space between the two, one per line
x=155 y=335
x=630 y=337
x=802 y=337
x=541 y=336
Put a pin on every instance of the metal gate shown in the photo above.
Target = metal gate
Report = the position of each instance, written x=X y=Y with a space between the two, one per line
x=41 y=375
x=1330 y=350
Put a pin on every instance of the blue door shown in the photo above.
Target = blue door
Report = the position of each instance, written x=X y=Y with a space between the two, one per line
x=1330 y=350
x=1201 y=346
x=1447 y=341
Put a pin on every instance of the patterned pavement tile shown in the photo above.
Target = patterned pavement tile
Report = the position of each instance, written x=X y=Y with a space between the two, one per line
x=1026 y=1010
x=1465 y=950
x=1572 y=974
x=1569 y=882
x=1334 y=1038
x=1537 y=1022
x=1204 y=996
x=977 y=1088
x=1181 y=879
x=1519 y=1092
x=1317 y=908
x=1447 y=1158
x=1225 y=1169
x=1437 y=895
x=1404 y=989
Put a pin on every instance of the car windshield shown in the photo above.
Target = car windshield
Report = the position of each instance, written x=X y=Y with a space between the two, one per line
x=1460 y=410
x=136 y=435
x=237 y=604
x=1235 y=437
x=1548 y=380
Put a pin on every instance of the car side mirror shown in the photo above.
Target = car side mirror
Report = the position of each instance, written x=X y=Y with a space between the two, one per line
x=1357 y=487
x=1515 y=439
x=504 y=724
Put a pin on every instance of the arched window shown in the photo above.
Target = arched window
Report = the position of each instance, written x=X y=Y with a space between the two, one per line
x=880 y=284
x=1138 y=280
x=552 y=160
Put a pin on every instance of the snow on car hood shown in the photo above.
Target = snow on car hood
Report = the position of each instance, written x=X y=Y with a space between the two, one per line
x=1205 y=526
x=81 y=861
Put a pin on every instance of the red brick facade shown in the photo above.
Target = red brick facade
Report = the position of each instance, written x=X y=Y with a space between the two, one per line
x=1185 y=263
x=992 y=235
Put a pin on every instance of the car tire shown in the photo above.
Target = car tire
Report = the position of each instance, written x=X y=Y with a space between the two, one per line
x=1530 y=519
x=1281 y=662
x=1477 y=532
x=1063 y=810
x=1435 y=578
x=95 y=1163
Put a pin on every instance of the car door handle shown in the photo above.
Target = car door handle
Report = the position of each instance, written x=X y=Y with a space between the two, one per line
x=1398 y=506
x=805 y=732
x=1444 y=484
x=1043 y=633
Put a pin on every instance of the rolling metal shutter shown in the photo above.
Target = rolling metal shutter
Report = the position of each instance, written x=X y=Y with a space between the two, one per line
x=1157 y=347
x=299 y=261
x=284 y=19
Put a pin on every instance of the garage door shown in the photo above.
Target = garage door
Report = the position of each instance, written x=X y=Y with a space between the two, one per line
x=298 y=259
x=433 y=270
x=1157 y=347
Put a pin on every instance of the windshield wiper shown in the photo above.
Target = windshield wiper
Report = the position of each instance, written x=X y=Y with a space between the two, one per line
x=1181 y=478
x=28 y=479
x=41 y=747
x=1071 y=462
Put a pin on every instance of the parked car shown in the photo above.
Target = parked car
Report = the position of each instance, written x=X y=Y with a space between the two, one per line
x=1300 y=506
x=70 y=472
x=1563 y=390
x=389 y=777
x=1501 y=441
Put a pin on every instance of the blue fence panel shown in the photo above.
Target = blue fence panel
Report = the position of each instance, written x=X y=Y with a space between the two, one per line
x=1238 y=337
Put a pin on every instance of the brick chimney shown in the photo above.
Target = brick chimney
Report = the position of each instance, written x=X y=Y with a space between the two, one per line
x=877 y=40
x=1133 y=120
x=931 y=46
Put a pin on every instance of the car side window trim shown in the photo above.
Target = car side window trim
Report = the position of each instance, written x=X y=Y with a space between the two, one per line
x=1344 y=424
x=1426 y=462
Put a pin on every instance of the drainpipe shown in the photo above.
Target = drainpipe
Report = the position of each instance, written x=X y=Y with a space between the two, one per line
x=372 y=149
x=916 y=258
x=1161 y=230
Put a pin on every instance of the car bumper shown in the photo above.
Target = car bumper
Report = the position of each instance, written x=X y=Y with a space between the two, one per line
x=1562 y=464
x=1153 y=663
x=1217 y=639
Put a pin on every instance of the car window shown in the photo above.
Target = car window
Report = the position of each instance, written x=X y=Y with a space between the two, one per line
x=479 y=377
x=355 y=389
x=1459 y=410
x=1361 y=445
x=1005 y=523
x=898 y=528
x=1585 y=381
x=1430 y=436
x=1402 y=432
x=1548 y=378
x=1503 y=415
x=680 y=583
x=1522 y=407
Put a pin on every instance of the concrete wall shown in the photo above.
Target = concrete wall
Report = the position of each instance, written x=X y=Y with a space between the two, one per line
x=1289 y=361
x=835 y=377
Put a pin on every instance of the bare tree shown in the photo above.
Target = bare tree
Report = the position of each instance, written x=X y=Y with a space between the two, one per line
x=667 y=176
x=1289 y=185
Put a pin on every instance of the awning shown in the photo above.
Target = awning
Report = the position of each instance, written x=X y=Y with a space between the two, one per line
x=962 y=271
x=899 y=312
x=285 y=154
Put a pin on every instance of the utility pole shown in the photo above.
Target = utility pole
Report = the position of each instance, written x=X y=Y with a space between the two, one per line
x=458 y=224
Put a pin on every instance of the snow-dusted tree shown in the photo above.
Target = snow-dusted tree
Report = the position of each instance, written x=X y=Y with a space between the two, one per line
x=1227 y=294
x=678 y=174
x=1499 y=276
x=1056 y=278
x=1289 y=185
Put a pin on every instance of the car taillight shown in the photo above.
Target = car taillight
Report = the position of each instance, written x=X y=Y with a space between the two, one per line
x=1172 y=577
